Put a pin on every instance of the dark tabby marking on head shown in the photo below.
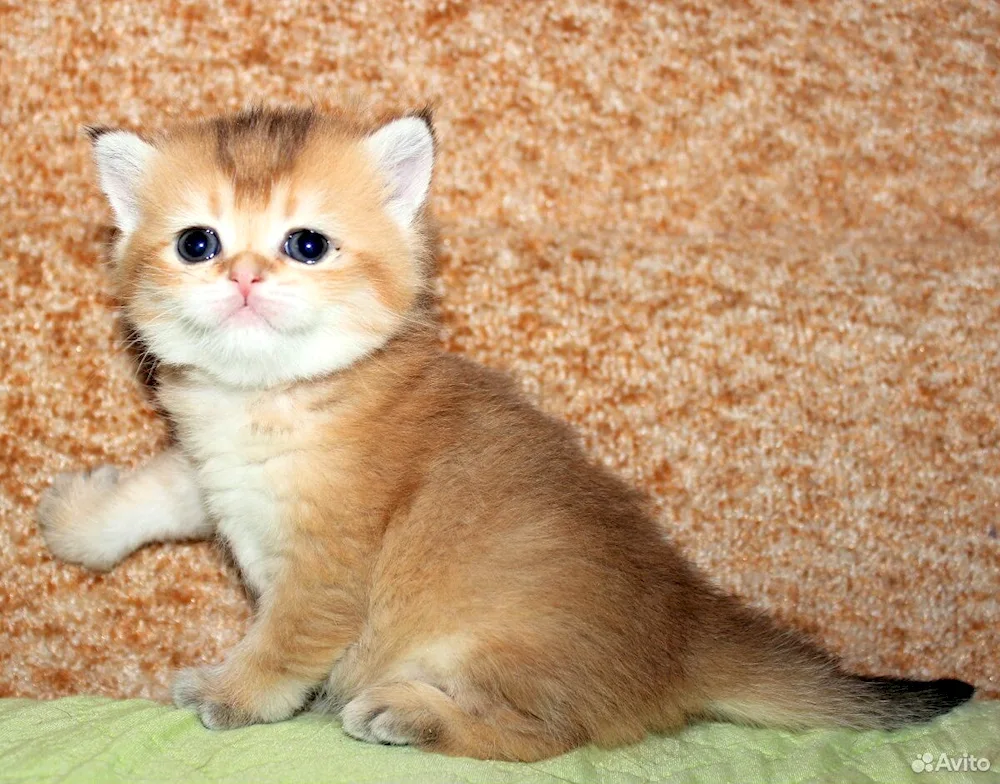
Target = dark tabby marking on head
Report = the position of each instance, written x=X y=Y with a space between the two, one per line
x=257 y=146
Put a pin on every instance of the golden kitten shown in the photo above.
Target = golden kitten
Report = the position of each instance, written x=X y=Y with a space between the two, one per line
x=432 y=557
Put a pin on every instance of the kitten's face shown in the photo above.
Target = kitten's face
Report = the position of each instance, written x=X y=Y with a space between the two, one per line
x=269 y=247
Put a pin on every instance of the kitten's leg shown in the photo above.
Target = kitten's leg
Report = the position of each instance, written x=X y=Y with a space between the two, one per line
x=415 y=713
x=98 y=517
x=306 y=620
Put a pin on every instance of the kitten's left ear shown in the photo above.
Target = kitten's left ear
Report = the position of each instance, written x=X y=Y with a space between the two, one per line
x=121 y=158
x=403 y=151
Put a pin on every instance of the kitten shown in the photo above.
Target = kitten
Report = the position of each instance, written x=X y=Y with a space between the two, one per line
x=432 y=557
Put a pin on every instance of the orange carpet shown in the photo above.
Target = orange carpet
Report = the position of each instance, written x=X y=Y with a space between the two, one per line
x=751 y=249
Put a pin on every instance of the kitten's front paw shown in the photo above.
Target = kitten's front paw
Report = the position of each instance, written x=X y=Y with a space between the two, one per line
x=196 y=689
x=70 y=517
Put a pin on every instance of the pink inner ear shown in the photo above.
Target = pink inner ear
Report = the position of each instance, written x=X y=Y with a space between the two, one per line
x=406 y=179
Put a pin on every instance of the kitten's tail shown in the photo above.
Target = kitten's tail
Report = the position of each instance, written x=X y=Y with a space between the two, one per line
x=760 y=674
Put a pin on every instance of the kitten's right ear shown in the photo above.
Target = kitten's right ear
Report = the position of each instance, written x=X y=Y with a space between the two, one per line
x=121 y=158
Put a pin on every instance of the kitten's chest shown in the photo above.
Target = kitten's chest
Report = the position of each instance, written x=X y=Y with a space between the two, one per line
x=247 y=451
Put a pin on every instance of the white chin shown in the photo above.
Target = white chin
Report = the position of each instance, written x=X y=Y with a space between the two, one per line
x=254 y=355
x=245 y=318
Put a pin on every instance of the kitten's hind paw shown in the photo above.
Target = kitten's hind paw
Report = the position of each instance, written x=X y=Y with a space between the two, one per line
x=71 y=518
x=394 y=714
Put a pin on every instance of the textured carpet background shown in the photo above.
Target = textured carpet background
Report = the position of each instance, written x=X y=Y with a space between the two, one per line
x=750 y=249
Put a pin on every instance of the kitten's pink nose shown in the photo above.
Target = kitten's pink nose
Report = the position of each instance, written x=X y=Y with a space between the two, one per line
x=244 y=273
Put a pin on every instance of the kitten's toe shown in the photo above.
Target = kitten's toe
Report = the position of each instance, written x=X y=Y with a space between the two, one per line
x=220 y=716
x=70 y=518
x=394 y=728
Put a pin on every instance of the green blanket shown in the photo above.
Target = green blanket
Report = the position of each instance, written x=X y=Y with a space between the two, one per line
x=88 y=739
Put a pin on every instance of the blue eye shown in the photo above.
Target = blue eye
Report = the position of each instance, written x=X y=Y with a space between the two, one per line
x=198 y=244
x=306 y=246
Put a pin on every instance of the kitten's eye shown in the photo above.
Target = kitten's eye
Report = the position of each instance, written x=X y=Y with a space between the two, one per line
x=306 y=246
x=198 y=244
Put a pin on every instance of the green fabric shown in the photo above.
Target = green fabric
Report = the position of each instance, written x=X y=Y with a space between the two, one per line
x=88 y=739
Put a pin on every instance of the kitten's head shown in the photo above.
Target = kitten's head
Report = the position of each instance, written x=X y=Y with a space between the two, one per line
x=269 y=246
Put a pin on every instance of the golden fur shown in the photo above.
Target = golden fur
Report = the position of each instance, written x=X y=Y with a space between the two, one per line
x=433 y=557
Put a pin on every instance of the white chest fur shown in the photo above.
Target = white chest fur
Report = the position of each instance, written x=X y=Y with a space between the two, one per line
x=241 y=444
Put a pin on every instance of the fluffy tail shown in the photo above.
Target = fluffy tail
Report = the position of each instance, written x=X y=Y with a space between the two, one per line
x=760 y=674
